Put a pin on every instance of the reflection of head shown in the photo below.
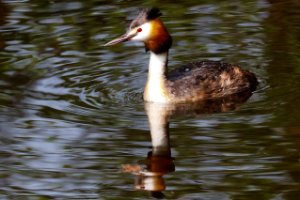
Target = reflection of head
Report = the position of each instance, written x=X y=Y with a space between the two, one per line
x=151 y=179
x=160 y=164
x=150 y=182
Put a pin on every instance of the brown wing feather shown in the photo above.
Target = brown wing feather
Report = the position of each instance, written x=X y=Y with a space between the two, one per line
x=209 y=79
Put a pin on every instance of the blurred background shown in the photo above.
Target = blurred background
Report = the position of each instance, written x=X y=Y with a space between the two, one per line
x=71 y=110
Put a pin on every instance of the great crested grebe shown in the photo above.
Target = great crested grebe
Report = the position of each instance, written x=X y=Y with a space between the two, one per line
x=192 y=82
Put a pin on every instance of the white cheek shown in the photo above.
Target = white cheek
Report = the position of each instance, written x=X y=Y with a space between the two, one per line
x=144 y=34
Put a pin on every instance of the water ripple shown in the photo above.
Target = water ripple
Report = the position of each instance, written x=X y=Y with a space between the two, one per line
x=71 y=110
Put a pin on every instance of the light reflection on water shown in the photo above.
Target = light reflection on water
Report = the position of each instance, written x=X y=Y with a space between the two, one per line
x=72 y=112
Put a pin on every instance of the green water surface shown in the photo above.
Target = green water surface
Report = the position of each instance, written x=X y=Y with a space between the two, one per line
x=72 y=114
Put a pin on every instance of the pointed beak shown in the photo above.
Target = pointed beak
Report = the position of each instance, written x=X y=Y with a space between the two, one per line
x=120 y=39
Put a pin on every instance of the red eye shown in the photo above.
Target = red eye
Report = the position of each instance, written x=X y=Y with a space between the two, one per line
x=139 y=30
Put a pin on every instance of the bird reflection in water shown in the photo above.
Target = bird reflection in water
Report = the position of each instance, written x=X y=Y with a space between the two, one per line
x=159 y=161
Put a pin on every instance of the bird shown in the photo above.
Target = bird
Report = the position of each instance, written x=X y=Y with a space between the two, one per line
x=191 y=82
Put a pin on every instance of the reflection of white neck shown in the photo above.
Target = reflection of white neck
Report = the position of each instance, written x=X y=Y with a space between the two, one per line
x=155 y=86
x=159 y=128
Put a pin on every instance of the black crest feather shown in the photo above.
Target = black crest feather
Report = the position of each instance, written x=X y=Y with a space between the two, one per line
x=153 y=13
x=145 y=15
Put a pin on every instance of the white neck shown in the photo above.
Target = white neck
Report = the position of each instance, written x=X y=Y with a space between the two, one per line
x=158 y=64
x=154 y=90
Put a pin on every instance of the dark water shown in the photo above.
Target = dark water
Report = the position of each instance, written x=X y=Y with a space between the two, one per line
x=72 y=118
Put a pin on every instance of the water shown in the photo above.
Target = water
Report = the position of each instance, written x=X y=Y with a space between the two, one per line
x=72 y=118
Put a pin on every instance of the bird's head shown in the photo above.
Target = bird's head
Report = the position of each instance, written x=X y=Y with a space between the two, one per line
x=148 y=28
